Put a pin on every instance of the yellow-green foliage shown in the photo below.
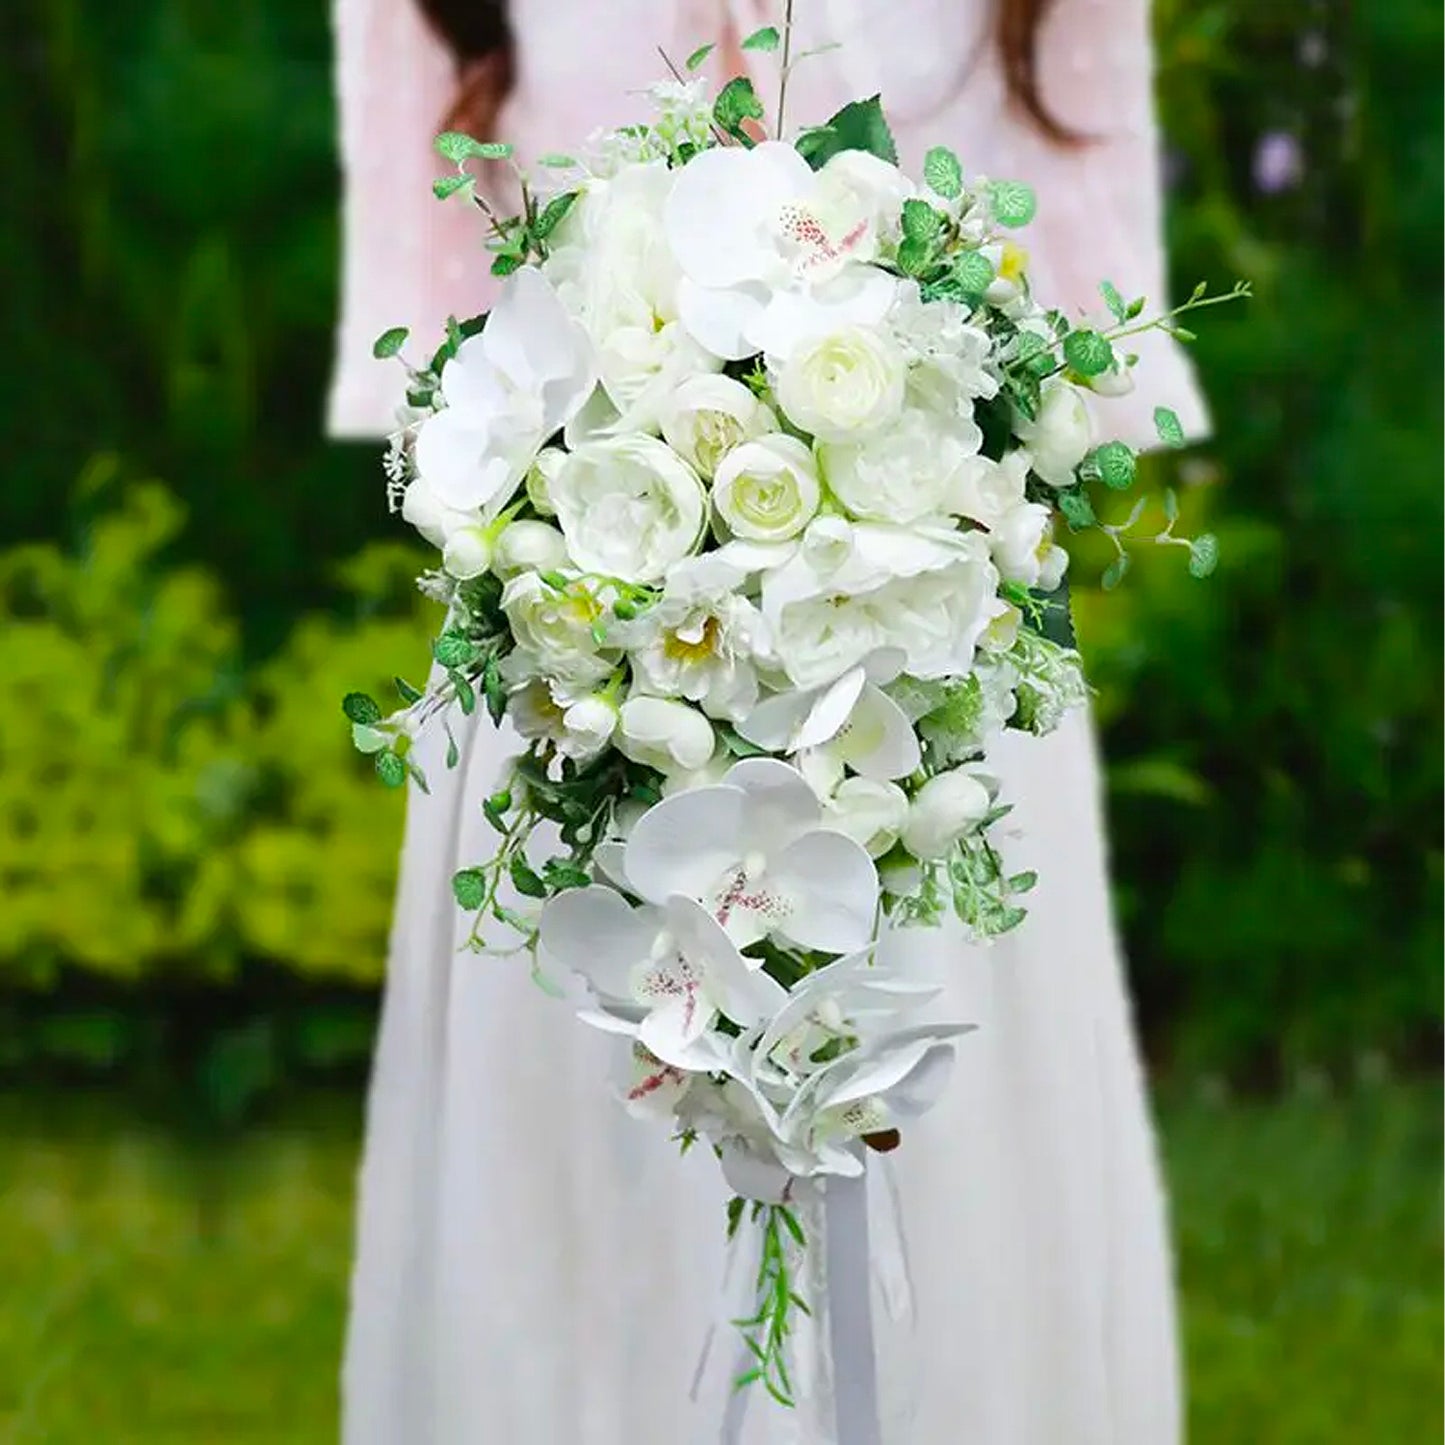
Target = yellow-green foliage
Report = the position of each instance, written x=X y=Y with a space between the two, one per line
x=158 y=813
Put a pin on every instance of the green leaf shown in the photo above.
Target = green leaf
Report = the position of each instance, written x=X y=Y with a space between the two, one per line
x=466 y=693
x=1167 y=424
x=1077 y=510
x=506 y=263
x=445 y=186
x=454 y=649
x=454 y=753
x=389 y=342
x=1023 y=882
x=561 y=875
x=974 y=273
x=524 y=878
x=469 y=888
x=1114 y=572
x=914 y=256
x=1135 y=308
x=1013 y=203
x=369 y=739
x=405 y=690
x=920 y=221
x=737 y=101
x=554 y=161
x=1115 y=463
x=943 y=173
x=1114 y=301
x=390 y=769
x=1171 y=505
x=698 y=56
x=859 y=126
x=456 y=146
x=765 y=39
x=493 y=691
x=1203 y=555
x=553 y=213
x=1088 y=352
x=361 y=707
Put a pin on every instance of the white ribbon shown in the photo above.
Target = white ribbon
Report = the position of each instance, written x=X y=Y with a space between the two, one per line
x=850 y=1313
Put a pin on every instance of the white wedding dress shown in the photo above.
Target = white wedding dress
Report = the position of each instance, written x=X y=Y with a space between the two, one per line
x=533 y=1265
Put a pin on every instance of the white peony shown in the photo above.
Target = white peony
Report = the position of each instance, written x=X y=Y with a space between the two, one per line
x=507 y=390
x=943 y=810
x=528 y=546
x=629 y=507
x=660 y=733
x=950 y=360
x=870 y=811
x=989 y=490
x=555 y=632
x=911 y=471
x=844 y=385
x=707 y=416
x=1060 y=435
x=767 y=490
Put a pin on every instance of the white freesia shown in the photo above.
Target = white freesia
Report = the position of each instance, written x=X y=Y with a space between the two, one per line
x=988 y=490
x=664 y=734
x=870 y=811
x=556 y=631
x=1060 y=436
x=753 y=850
x=773 y=252
x=506 y=391
x=629 y=507
x=944 y=809
x=912 y=470
x=706 y=416
x=843 y=385
x=528 y=546
x=767 y=490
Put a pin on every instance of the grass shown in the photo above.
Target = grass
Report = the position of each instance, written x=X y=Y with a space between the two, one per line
x=153 y=1294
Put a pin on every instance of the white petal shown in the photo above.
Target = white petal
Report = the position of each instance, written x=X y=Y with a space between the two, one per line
x=456 y=455
x=752 y=1174
x=595 y=932
x=686 y=843
x=833 y=888
x=779 y=803
x=719 y=319
x=880 y=741
x=611 y=861
x=832 y=709
x=676 y=1033
x=775 y=722
x=745 y=994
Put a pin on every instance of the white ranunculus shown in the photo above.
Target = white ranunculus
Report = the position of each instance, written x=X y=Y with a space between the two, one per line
x=629 y=507
x=660 y=733
x=767 y=490
x=908 y=472
x=945 y=809
x=616 y=273
x=555 y=630
x=506 y=390
x=707 y=416
x=989 y=490
x=773 y=252
x=1019 y=541
x=843 y=386
x=1060 y=435
x=528 y=546
x=870 y=811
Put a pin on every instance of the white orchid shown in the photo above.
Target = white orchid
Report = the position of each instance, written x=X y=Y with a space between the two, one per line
x=773 y=253
x=506 y=391
x=663 y=974
x=753 y=850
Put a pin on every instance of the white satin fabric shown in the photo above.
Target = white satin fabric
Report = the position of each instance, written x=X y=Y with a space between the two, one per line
x=534 y=1266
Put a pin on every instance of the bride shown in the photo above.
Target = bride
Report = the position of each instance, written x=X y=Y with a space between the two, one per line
x=535 y=1267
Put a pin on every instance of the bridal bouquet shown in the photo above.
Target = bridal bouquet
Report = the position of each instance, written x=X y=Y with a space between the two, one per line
x=747 y=493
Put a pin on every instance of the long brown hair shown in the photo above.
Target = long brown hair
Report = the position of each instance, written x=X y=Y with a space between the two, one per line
x=480 y=35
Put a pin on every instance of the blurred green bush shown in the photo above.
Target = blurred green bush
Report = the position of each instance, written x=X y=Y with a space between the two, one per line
x=178 y=803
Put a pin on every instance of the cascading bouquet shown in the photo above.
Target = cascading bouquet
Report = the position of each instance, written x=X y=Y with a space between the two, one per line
x=745 y=492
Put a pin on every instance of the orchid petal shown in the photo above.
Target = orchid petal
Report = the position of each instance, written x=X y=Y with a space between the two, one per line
x=831 y=711
x=779 y=803
x=455 y=453
x=686 y=843
x=833 y=888
x=879 y=740
x=719 y=319
x=595 y=932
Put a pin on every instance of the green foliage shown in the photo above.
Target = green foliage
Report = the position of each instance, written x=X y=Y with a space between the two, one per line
x=859 y=126
x=943 y=172
x=736 y=103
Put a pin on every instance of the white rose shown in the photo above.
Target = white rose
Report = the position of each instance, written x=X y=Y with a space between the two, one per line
x=988 y=490
x=767 y=490
x=943 y=810
x=869 y=811
x=539 y=479
x=554 y=629
x=707 y=416
x=844 y=385
x=1018 y=541
x=1060 y=435
x=669 y=736
x=527 y=546
x=910 y=471
x=629 y=507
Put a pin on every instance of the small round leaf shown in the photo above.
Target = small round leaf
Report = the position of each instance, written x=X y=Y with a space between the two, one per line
x=360 y=707
x=1116 y=465
x=1012 y=202
x=1088 y=352
x=390 y=769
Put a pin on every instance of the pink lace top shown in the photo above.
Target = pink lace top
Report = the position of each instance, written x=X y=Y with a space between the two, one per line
x=411 y=260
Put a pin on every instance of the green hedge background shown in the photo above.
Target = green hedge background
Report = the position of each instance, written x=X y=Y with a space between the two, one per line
x=194 y=868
